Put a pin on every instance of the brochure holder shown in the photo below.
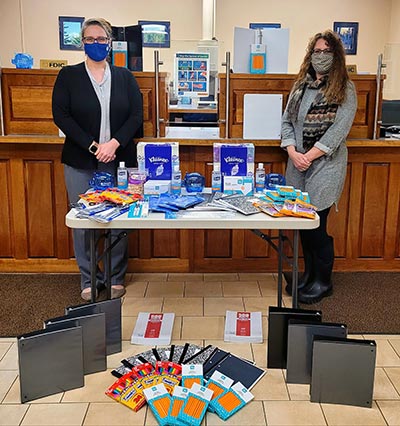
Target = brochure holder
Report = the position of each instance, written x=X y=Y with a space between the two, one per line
x=278 y=322
x=112 y=309
x=300 y=341
x=343 y=371
x=50 y=362
x=93 y=335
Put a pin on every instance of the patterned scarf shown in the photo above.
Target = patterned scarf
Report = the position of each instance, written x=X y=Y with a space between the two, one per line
x=320 y=116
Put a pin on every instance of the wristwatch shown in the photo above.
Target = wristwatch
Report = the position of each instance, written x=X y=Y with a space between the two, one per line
x=94 y=146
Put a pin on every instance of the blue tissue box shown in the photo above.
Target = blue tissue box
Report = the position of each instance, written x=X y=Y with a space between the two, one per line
x=234 y=159
x=158 y=159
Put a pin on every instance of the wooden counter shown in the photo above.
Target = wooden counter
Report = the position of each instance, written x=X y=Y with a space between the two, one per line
x=27 y=101
x=241 y=84
x=34 y=237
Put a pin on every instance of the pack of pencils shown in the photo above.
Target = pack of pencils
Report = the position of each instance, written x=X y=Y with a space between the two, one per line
x=232 y=400
x=192 y=373
x=179 y=396
x=218 y=383
x=195 y=406
x=159 y=401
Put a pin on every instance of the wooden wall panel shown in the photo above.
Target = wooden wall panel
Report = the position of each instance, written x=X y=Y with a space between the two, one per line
x=40 y=208
x=166 y=243
x=373 y=213
x=217 y=244
x=6 y=237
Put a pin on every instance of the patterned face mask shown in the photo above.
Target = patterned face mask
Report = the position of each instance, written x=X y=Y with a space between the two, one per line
x=322 y=63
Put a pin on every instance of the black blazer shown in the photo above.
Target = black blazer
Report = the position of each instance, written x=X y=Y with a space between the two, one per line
x=77 y=112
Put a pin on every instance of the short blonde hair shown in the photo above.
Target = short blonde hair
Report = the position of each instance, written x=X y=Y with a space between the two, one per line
x=99 y=22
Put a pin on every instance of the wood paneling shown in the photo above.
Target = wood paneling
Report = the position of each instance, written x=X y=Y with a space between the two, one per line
x=241 y=84
x=27 y=101
x=34 y=237
x=6 y=246
x=40 y=213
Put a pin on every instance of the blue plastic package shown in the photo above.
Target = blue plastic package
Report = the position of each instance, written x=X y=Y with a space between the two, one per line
x=22 y=60
x=102 y=180
x=194 y=182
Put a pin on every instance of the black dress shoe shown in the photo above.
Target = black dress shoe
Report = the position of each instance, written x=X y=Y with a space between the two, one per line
x=315 y=292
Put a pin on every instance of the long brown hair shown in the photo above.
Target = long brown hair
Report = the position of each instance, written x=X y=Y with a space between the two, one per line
x=335 y=89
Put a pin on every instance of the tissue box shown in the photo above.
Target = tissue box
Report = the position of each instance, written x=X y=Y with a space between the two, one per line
x=234 y=159
x=238 y=185
x=156 y=187
x=158 y=159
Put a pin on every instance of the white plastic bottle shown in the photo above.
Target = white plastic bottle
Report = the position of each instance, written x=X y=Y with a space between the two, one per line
x=122 y=176
x=176 y=181
x=216 y=179
x=260 y=177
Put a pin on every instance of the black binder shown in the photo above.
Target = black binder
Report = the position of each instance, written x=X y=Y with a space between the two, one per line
x=278 y=322
x=300 y=340
x=94 y=338
x=112 y=309
x=50 y=362
x=343 y=371
x=238 y=369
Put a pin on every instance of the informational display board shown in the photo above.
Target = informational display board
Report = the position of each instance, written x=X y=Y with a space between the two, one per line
x=192 y=74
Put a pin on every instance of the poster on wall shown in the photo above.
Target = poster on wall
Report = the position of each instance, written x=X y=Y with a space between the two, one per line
x=192 y=74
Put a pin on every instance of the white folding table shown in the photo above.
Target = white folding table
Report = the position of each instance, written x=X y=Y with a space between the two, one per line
x=199 y=220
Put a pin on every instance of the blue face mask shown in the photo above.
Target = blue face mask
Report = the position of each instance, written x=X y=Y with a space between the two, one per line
x=97 y=51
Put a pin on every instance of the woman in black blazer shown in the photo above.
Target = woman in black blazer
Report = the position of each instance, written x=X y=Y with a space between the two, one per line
x=99 y=109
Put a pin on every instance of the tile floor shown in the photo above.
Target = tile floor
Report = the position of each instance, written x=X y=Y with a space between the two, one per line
x=199 y=302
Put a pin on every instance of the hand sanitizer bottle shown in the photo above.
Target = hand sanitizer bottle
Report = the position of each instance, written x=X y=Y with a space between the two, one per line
x=216 y=179
x=176 y=181
x=122 y=176
x=260 y=178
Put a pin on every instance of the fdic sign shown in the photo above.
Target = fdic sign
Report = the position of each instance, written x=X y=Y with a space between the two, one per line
x=51 y=64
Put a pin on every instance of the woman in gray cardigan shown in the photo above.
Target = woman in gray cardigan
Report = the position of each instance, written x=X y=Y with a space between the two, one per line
x=316 y=122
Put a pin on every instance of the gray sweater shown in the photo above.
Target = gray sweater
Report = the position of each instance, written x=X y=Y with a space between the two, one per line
x=325 y=178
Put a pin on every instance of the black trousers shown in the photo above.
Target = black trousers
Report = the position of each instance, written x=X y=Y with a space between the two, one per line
x=316 y=238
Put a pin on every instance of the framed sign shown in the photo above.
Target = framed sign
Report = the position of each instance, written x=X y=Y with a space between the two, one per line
x=70 y=32
x=192 y=74
x=257 y=25
x=156 y=33
x=348 y=32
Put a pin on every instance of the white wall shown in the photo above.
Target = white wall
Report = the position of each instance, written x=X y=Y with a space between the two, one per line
x=35 y=29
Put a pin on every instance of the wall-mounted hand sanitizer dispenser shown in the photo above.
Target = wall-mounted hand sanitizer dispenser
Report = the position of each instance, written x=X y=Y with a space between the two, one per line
x=258 y=59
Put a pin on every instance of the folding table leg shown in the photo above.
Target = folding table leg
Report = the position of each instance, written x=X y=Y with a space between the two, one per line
x=295 y=267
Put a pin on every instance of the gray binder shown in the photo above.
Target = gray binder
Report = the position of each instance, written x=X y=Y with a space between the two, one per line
x=112 y=309
x=300 y=340
x=94 y=338
x=343 y=371
x=278 y=323
x=50 y=362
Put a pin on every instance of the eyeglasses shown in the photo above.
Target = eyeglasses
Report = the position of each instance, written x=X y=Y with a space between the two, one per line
x=322 y=51
x=91 y=40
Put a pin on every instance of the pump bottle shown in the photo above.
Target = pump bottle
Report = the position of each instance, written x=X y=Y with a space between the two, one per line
x=176 y=181
x=122 y=176
x=260 y=177
x=216 y=179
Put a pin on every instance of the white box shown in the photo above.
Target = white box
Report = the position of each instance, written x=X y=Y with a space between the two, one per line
x=243 y=327
x=153 y=329
x=238 y=185
x=157 y=187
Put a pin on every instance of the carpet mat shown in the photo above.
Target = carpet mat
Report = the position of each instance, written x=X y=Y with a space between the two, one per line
x=26 y=300
x=367 y=302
